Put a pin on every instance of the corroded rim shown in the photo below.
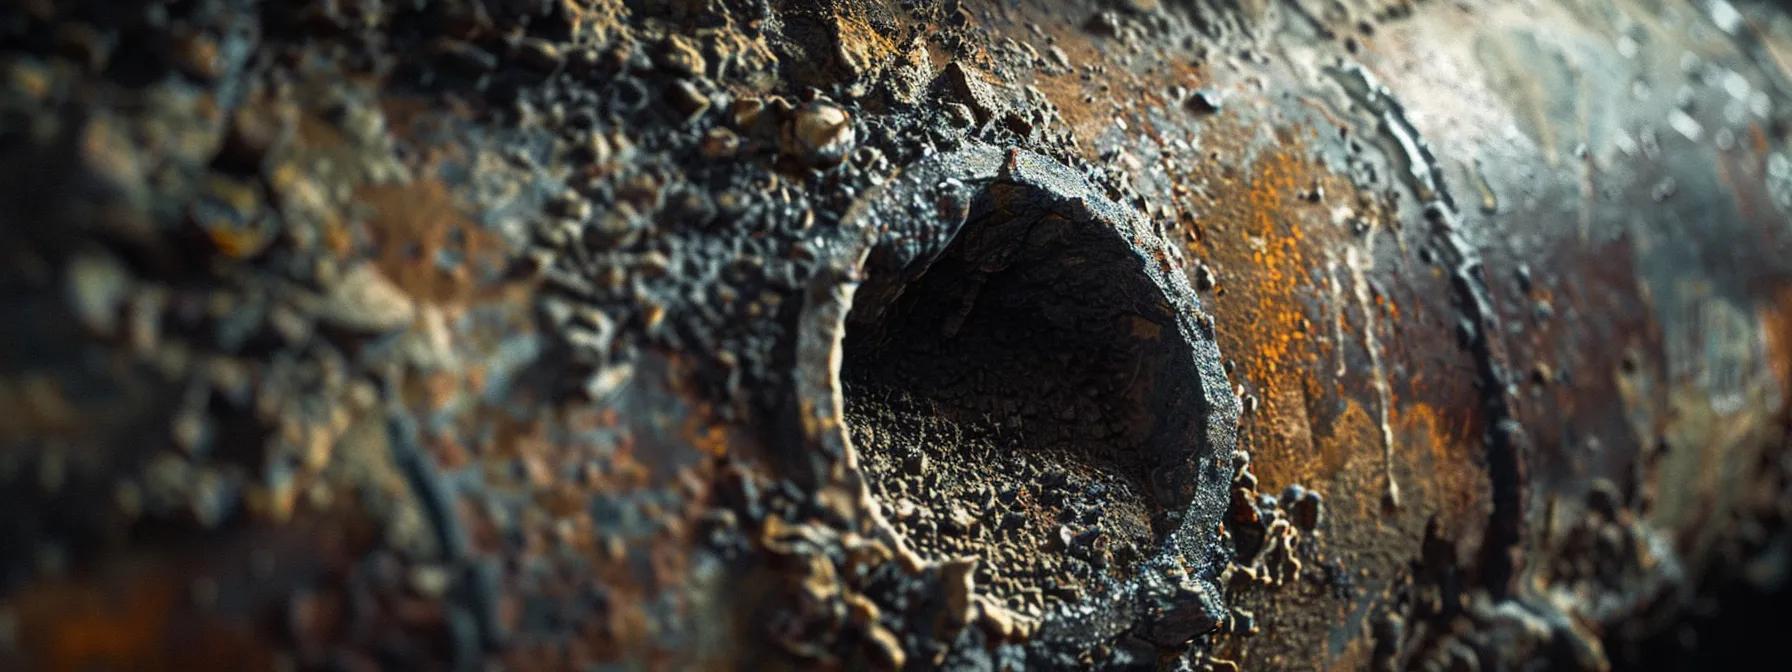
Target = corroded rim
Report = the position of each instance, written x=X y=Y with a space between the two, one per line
x=896 y=229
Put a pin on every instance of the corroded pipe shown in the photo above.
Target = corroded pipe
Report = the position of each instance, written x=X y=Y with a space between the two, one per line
x=858 y=333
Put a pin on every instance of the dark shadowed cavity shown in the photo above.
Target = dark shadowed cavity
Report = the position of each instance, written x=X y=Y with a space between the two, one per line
x=1022 y=399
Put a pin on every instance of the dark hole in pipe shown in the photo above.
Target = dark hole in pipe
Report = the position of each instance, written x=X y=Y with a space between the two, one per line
x=1022 y=399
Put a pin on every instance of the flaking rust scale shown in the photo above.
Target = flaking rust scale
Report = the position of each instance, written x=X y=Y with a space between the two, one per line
x=865 y=334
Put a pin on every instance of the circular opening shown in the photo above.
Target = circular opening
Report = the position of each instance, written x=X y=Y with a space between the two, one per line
x=1029 y=397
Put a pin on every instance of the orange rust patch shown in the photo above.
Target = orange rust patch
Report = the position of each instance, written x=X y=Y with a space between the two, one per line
x=91 y=628
x=1776 y=331
x=1345 y=465
x=1087 y=121
x=126 y=623
x=414 y=223
x=711 y=439
x=859 y=43
x=1267 y=243
x=1437 y=458
x=1251 y=227
x=1258 y=248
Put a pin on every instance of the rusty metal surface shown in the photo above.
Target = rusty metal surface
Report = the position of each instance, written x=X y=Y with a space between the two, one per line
x=554 y=334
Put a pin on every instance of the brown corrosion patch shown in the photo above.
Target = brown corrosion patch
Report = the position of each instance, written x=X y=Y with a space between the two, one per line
x=136 y=618
x=1255 y=242
x=423 y=242
x=1088 y=105
x=1776 y=330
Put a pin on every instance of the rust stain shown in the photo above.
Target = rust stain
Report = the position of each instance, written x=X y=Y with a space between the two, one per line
x=1260 y=251
x=1088 y=109
x=860 y=43
x=1776 y=331
x=412 y=226
x=130 y=622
